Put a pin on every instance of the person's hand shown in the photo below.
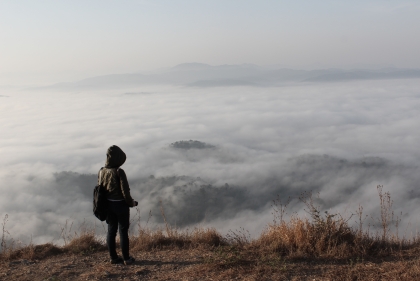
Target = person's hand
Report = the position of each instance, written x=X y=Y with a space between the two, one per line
x=135 y=203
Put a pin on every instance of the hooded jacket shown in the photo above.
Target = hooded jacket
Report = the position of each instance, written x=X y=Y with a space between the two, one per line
x=113 y=178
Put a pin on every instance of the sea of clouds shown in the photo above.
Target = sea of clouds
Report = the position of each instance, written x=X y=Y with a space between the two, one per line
x=248 y=146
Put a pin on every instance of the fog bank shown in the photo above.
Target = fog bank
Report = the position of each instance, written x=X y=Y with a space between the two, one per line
x=212 y=156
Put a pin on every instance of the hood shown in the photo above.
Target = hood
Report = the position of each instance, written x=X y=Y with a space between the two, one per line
x=115 y=157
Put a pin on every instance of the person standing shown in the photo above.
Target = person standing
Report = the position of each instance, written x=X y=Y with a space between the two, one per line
x=114 y=179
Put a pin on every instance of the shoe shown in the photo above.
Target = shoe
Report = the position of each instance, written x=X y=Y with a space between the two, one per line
x=129 y=261
x=117 y=260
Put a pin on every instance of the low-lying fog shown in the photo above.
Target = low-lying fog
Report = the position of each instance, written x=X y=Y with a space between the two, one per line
x=214 y=156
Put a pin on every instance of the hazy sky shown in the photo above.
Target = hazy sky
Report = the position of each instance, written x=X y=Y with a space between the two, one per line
x=54 y=41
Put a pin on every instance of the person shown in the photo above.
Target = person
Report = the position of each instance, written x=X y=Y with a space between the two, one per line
x=114 y=179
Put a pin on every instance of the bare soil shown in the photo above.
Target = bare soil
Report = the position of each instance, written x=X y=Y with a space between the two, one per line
x=209 y=264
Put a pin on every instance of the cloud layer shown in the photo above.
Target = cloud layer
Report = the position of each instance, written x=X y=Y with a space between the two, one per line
x=339 y=139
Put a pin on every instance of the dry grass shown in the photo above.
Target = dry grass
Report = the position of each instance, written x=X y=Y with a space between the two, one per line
x=84 y=243
x=148 y=239
x=324 y=241
x=31 y=252
x=325 y=236
x=171 y=237
x=302 y=238
x=81 y=241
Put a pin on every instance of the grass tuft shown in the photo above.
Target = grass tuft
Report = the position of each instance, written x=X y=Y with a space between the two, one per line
x=148 y=239
x=84 y=243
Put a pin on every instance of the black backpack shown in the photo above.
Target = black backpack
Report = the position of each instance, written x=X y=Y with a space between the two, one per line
x=99 y=200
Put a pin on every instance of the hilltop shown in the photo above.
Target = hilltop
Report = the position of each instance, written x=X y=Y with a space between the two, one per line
x=324 y=247
x=200 y=264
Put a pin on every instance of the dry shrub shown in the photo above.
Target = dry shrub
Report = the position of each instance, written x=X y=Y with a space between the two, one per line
x=46 y=250
x=206 y=236
x=172 y=237
x=13 y=252
x=329 y=235
x=303 y=238
x=12 y=249
x=326 y=235
x=84 y=243
x=148 y=239
x=31 y=252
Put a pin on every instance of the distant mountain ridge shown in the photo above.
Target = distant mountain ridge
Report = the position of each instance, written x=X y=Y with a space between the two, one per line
x=204 y=75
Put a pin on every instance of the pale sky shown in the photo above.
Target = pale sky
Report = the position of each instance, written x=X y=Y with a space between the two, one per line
x=56 y=41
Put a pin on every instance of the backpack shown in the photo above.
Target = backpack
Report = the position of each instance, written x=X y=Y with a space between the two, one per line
x=100 y=209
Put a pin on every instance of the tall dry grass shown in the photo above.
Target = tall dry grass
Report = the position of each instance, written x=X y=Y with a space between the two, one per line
x=322 y=235
x=82 y=240
x=147 y=238
x=329 y=235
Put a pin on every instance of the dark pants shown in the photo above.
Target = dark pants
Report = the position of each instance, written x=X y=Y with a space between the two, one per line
x=118 y=217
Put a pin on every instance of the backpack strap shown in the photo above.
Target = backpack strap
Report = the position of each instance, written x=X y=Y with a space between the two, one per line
x=99 y=176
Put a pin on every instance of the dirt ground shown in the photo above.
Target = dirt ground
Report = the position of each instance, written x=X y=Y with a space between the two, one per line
x=198 y=264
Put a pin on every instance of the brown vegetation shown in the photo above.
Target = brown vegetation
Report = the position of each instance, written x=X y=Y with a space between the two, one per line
x=323 y=247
